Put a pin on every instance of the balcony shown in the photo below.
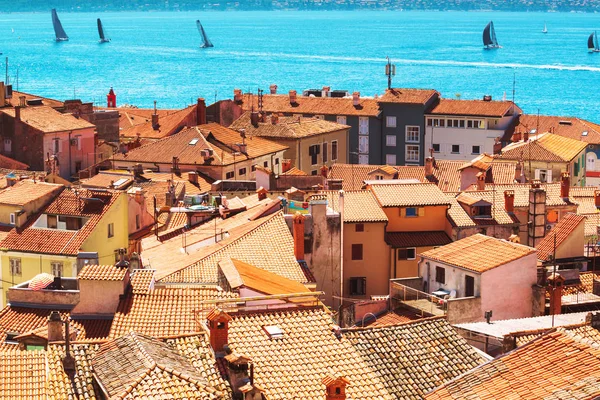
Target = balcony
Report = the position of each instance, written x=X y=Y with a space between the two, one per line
x=63 y=299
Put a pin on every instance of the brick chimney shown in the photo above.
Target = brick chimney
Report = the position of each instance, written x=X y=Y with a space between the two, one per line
x=325 y=91
x=324 y=171
x=597 y=198
x=262 y=193
x=509 y=201
x=237 y=95
x=273 y=89
x=298 y=230
x=356 y=99
x=55 y=327
x=218 y=327
x=200 y=111
x=111 y=99
x=555 y=285
x=286 y=165
x=519 y=177
x=155 y=124
x=335 y=388
x=516 y=137
x=254 y=118
x=18 y=113
x=193 y=177
x=293 y=97
x=22 y=101
x=274 y=118
x=481 y=181
x=526 y=136
x=536 y=220
x=565 y=185
x=429 y=166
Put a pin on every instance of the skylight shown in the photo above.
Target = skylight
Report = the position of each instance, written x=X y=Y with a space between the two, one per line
x=120 y=182
x=193 y=142
x=273 y=331
x=584 y=133
x=533 y=131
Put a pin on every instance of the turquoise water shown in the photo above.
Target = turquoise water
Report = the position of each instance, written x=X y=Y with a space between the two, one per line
x=156 y=56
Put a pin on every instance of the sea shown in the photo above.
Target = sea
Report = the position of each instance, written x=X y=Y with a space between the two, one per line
x=155 y=56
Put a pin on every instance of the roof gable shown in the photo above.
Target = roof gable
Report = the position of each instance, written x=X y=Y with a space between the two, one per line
x=559 y=234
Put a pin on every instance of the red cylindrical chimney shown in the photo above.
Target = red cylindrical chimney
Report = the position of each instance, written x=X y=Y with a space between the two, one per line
x=555 y=285
x=509 y=201
x=298 y=223
x=565 y=185
x=201 y=111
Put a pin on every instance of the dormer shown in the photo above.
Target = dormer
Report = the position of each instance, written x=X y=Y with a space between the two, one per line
x=335 y=388
x=218 y=326
x=475 y=206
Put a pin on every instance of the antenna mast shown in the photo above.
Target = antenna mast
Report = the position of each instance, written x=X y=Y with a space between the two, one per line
x=260 y=101
x=390 y=71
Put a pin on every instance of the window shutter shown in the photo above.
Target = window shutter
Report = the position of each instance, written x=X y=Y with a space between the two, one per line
x=537 y=174
x=421 y=211
x=549 y=175
x=402 y=212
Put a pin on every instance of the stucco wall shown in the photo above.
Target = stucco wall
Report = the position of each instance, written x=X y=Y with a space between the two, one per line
x=99 y=297
x=69 y=155
x=433 y=220
x=573 y=246
x=304 y=162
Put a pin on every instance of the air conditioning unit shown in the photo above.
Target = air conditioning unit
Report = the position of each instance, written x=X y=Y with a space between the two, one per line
x=74 y=142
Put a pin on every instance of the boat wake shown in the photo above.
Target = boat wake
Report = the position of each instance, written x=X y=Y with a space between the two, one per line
x=450 y=63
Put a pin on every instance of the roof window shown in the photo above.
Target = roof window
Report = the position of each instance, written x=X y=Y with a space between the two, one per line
x=193 y=142
x=273 y=331
x=584 y=133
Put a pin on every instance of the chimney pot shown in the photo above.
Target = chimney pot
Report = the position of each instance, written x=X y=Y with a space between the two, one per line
x=262 y=193
x=509 y=201
x=298 y=223
x=324 y=171
x=555 y=284
x=22 y=101
x=565 y=185
x=286 y=165
x=429 y=166
x=273 y=89
x=193 y=177
x=526 y=136
x=274 y=118
x=481 y=181
x=254 y=118
x=55 y=327
x=335 y=388
x=237 y=95
x=293 y=97
x=218 y=326
x=356 y=99
x=597 y=198
x=201 y=111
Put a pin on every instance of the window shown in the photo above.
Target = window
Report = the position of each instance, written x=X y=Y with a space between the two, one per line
x=313 y=172
x=390 y=122
x=7 y=145
x=543 y=175
x=455 y=149
x=363 y=125
x=313 y=152
x=390 y=140
x=412 y=212
x=482 y=211
x=57 y=268
x=412 y=153
x=358 y=286
x=319 y=116
x=253 y=168
x=440 y=275
x=390 y=159
x=378 y=177
x=325 y=155
x=363 y=144
x=111 y=230
x=229 y=175
x=12 y=218
x=357 y=251
x=469 y=286
x=435 y=147
x=334 y=150
x=15 y=266
x=56 y=146
x=277 y=161
x=341 y=119
x=461 y=123
x=407 y=254
x=359 y=227
x=137 y=221
x=78 y=139
x=363 y=159
x=412 y=134
x=52 y=221
x=266 y=164
x=242 y=171
x=77 y=166
x=476 y=150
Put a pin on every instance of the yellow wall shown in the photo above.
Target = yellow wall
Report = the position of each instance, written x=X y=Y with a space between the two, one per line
x=305 y=162
x=405 y=268
x=434 y=219
x=375 y=262
x=573 y=245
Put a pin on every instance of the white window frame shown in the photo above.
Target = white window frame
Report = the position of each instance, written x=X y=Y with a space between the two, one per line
x=363 y=125
x=334 y=157
x=390 y=140
x=111 y=230
x=454 y=152
x=473 y=149
x=57 y=266
x=410 y=128
x=390 y=121
x=407 y=152
x=390 y=159
x=438 y=145
x=13 y=218
x=341 y=119
x=15 y=266
x=363 y=158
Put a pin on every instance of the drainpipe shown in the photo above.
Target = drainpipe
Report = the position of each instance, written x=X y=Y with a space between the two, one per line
x=69 y=144
x=341 y=206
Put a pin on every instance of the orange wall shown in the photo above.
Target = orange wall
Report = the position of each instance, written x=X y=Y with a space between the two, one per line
x=405 y=268
x=433 y=220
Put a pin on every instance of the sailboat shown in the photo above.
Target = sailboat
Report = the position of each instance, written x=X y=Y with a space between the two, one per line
x=205 y=41
x=545 y=30
x=61 y=35
x=489 y=37
x=593 y=43
x=103 y=39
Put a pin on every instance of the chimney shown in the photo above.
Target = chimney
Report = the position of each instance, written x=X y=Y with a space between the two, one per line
x=325 y=91
x=262 y=193
x=335 y=388
x=519 y=177
x=170 y=195
x=298 y=223
x=218 y=327
x=516 y=137
x=274 y=118
x=200 y=111
x=68 y=360
x=138 y=170
x=536 y=220
x=356 y=99
x=139 y=196
x=273 y=89
x=55 y=327
x=155 y=124
x=555 y=284
x=481 y=181
x=254 y=118
x=526 y=136
x=18 y=113
x=193 y=177
x=175 y=166
x=111 y=99
x=293 y=97
x=509 y=201
x=597 y=198
x=237 y=95
x=286 y=165
x=324 y=171
x=22 y=101
x=429 y=166
x=565 y=185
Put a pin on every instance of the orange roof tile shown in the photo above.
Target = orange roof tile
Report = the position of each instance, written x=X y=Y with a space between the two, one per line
x=142 y=281
x=416 y=239
x=548 y=147
x=559 y=233
x=168 y=124
x=294 y=171
x=23 y=374
x=408 y=96
x=102 y=273
x=312 y=105
x=457 y=215
x=399 y=316
x=571 y=127
x=479 y=253
x=130 y=116
x=553 y=197
x=26 y=191
x=550 y=366
x=48 y=120
x=359 y=206
x=391 y=194
x=28 y=96
x=7 y=162
x=475 y=108
x=108 y=179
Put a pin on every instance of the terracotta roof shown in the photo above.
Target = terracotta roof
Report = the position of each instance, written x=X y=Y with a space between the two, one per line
x=48 y=120
x=267 y=245
x=221 y=140
x=294 y=171
x=312 y=105
x=396 y=317
x=107 y=180
x=521 y=190
x=582 y=333
x=479 y=253
x=475 y=108
x=169 y=124
x=559 y=233
x=390 y=194
x=585 y=285
x=552 y=366
x=413 y=358
x=142 y=281
x=7 y=162
x=102 y=273
x=130 y=116
x=457 y=215
x=416 y=239
x=294 y=365
x=571 y=127
x=26 y=191
x=408 y=96
x=163 y=312
x=28 y=96
x=55 y=241
x=138 y=366
x=59 y=385
x=23 y=374
x=287 y=127
x=584 y=196
x=548 y=147
x=359 y=206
